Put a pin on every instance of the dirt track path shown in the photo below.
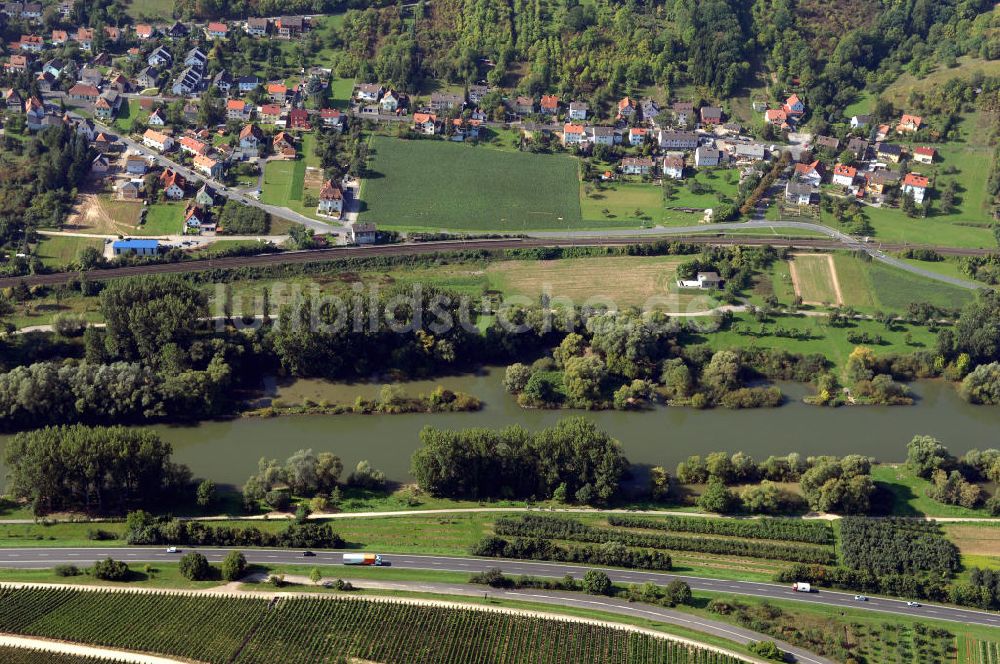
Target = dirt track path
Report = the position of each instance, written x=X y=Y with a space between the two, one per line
x=62 y=647
x=835 y=280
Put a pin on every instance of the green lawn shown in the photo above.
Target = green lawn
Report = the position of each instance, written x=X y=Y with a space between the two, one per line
x=832 y=342
x=340 y=92
x=861 y=105
x=909 y=494
x=165 y=218
x=128 y=114
x=160 y=10
x=437 y=184
x=57 y=252
x=283 y=181
x=643 y=202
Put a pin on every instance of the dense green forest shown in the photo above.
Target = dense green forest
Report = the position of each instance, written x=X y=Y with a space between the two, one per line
x=599 y=51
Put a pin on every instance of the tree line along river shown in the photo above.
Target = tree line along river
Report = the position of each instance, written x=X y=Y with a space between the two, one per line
x=227 y=451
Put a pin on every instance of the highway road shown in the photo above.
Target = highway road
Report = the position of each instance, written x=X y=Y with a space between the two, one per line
x=35 y=558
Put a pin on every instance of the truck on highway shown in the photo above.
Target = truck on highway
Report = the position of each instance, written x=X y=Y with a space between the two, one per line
x=801 y=587
x=363 y=559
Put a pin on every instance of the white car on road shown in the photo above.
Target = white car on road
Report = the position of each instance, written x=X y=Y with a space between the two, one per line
x=171 y=549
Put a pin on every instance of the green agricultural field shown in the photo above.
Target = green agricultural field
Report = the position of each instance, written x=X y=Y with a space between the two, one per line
x=855 y=284
x=57 y=252
x=815 y=278
x=870 y=286
x=864 y=285
x=895 y=290
x=436 y=184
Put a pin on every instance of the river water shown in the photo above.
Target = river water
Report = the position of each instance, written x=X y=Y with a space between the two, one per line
x=228 y=451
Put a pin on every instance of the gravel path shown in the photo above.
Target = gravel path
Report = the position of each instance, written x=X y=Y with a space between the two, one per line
x=64 y=648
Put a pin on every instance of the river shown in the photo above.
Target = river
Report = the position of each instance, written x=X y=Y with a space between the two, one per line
x=228 y=451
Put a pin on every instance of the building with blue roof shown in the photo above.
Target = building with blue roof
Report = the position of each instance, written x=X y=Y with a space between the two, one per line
x=138 y=247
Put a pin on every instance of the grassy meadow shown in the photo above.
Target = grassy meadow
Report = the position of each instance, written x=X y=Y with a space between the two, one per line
x=645 y=203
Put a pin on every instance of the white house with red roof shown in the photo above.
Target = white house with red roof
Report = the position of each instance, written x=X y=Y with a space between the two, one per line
x=573 y=134
x=777 y=117
x=425 y=123
x=924 y=155
x=637 y=135
x=810 y=173
x=549 y=104
x=844 y=175
x=157 y=140
x=916 y=185
x=331 y=200
x=217 y=30
x=909 y=124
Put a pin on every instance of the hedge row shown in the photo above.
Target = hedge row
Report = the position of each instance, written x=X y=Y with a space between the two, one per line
x=899 y=585
x=196 y=533
x=789 y=530
x=612 y=554
x=568 y=529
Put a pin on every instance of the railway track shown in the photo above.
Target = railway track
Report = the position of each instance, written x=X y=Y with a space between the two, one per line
x=410 y=249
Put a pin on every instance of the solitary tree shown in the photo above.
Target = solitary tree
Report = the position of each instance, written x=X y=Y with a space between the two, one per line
x=194 y=566
x=596 y=582
x=206 y=493
x=234 y=566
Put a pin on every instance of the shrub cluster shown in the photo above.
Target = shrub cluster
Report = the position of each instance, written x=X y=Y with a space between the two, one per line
x=111 y=570
x=613 y=554
x=793 y=530
x=674 y=593
x=535 y=526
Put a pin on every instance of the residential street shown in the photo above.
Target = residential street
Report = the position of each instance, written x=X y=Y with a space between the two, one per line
x=238 y=195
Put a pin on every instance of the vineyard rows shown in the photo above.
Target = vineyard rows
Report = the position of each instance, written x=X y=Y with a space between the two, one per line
x=26 y=656
x=989 y=652
x=244 y=630
x=171 y=624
